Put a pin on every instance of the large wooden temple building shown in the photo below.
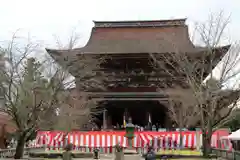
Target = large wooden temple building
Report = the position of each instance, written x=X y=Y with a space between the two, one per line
x=133 y=87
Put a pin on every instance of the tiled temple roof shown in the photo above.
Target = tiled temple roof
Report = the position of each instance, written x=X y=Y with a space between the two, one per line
x=124 y=37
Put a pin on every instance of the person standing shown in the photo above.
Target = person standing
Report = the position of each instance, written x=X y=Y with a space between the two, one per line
x=150 y=154
x=119 y=154
x=67 y=154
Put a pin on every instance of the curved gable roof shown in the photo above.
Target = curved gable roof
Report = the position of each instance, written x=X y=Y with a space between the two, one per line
x=160 y=36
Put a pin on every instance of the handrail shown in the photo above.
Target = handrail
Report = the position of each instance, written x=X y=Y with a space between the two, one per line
x=227 y=154
x=8 y=153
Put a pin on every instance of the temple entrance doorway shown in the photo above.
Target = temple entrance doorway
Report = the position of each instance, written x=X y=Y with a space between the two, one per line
x=141 y=112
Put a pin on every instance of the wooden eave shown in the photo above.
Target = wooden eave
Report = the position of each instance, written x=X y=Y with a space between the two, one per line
x=137 y=39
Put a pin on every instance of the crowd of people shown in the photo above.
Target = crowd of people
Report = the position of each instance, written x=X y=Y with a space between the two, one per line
x=148 y=127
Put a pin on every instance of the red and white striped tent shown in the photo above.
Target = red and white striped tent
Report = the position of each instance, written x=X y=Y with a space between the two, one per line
x=163 y=140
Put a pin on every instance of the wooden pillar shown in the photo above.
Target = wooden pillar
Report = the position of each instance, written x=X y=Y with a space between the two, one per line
x=168 y=122
x=109 y=121
x=148 y=120
x=126 y=115
x=105 y=119
x=149 y=117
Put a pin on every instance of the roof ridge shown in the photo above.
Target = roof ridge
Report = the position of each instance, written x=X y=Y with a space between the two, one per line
x=141 y=23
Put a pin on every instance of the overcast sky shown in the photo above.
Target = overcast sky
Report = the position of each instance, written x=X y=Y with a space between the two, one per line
x=45 y=18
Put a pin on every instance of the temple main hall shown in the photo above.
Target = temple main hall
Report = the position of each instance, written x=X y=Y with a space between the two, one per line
x=133 y=86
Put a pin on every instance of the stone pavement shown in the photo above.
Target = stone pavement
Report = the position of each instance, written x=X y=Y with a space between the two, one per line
x=102 y=157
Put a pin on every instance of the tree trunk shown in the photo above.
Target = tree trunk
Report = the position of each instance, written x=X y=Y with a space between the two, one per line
x=181 y=129
x=3 y=137
x=65 y=139
x=20 y=147
x=206 y=126
x=181 y=138
x=206 y=141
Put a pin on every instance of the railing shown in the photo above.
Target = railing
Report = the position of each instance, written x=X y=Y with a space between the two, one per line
x=8 y=153
x=226 y=154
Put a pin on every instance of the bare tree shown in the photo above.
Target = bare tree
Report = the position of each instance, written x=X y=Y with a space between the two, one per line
x=76 y=112
x=182 y=111
x=77 y=109
x=209 y=87
x=28 y=94
x=36 y=93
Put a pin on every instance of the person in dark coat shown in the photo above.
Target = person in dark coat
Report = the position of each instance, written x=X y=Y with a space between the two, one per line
x=150 y=154
x=67 y=154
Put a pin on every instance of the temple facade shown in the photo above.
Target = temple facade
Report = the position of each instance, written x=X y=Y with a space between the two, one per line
x=133 y=86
